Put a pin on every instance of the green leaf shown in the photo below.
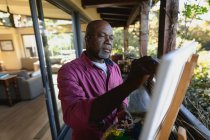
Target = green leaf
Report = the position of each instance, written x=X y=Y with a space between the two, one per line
x=192 y=10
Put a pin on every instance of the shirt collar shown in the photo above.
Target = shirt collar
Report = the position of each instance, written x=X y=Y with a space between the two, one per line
x=108 y=62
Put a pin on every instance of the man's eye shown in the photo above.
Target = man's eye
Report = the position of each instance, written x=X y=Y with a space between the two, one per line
x=111 y=37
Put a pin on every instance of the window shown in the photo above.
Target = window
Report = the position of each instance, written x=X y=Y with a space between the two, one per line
x=29 y=44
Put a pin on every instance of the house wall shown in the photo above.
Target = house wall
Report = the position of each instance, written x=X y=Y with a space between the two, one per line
x=11 y=59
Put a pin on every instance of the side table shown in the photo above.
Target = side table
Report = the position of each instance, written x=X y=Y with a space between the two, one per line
x=6 y=82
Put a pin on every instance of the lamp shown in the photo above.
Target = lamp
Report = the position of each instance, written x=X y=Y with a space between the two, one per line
x=2 y=68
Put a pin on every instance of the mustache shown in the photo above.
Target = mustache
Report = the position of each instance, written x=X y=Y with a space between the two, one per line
x=108 y=43
x=109 y=47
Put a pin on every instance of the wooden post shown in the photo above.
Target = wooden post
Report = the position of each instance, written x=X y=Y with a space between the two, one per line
x=144 y=27
x=125 y=39
x=167 y=26
x=182 y=134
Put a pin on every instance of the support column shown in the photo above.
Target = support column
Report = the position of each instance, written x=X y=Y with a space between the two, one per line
x=144 y=27
x=77 y=33
x=48 y=62
x=125 y=40
x=41 y=55
x=167 y=26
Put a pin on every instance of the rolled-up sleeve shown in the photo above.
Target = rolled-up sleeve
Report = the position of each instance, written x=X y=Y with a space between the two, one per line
x=121 y=81
x=75 y=106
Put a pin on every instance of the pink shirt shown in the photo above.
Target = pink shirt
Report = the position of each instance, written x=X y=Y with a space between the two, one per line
x=79 y=83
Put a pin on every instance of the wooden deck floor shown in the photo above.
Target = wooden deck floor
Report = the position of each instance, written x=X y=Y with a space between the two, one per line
x=26 y=120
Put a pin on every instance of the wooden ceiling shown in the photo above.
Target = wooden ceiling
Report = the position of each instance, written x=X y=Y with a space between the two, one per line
x=119 y=13
x=21 y=7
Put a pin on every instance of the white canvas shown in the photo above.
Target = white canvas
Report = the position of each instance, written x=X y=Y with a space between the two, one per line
x=168 y=76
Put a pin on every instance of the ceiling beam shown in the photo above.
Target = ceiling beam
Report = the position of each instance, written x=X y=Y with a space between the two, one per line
x=106 y=3
x=108 y=15
x=114 y=16
x=134 y=13
x=123 y=6
x=115 y=19
x=117 y=24
x=113 y=11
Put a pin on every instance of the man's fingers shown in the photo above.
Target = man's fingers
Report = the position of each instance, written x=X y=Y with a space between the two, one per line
x=147 y=66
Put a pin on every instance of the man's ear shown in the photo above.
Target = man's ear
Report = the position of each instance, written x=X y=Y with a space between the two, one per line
x=86 y=40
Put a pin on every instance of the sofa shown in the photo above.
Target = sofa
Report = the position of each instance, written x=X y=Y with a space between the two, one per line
x=30 y=87
x=32 y=63
x=55 y=64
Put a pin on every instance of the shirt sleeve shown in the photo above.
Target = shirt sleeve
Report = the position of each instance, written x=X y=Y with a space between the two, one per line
x=121 y=81
x=75 y=106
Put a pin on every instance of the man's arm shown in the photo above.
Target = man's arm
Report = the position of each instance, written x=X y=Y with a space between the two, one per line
x=141 y=70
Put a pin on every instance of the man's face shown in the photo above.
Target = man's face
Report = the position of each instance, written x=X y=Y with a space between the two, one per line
x=99 y=43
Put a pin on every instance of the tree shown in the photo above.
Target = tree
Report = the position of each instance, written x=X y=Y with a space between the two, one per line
x=193 y=10
x=118 y=40
x=118 y=43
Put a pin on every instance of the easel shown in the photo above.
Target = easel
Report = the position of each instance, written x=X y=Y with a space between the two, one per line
x=179 y=95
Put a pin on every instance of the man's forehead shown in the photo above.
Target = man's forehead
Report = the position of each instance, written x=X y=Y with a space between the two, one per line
x=99 y=26
x=105 y=33
x=105 y=28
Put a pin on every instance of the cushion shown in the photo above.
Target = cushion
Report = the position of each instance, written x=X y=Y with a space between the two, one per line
x=24 y=74
x=55 y=60
x=36 y=73
x=27 y=63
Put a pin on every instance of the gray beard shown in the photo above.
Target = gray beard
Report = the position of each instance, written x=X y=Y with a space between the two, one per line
x=103 y=54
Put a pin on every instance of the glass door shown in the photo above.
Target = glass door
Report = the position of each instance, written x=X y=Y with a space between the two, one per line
x=57 y=38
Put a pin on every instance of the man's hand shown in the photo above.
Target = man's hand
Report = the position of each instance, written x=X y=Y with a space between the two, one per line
x=124 y=117
x=141 y=70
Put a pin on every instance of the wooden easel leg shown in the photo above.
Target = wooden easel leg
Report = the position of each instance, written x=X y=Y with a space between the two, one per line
x=179 y=95
x=182 y=135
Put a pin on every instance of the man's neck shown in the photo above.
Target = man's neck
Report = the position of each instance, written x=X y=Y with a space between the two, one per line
x=97 y=60
x=94 y=59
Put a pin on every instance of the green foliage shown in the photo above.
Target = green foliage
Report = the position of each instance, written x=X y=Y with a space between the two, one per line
x=197 y=99
x=133 y=43
x=133 y=39
x=58 y=42
x=118 y=40
x=200 y=79
x=192 y=26
x=153 y=33
x=118 y=44
x=201 y=35
x=193 y=10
